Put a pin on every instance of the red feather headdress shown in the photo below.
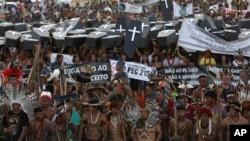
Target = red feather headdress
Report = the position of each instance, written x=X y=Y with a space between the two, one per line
x=140 y=98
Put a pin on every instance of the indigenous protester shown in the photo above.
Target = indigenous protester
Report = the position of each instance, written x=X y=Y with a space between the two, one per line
x=16 y=123
x=231 y=97
x=190 y=109
x=217 y=108
x=45 y=101
x=166 y=105
x=117 y=127
x=181 y=125
x=38 y=125
x=94 y=123
x=240 y=60
x=245 y=108
x=204 y=129
x=199 y=93
x=207 y=58
x=171 y=59
x=234 y=118
x=73 y=117
x=226 y=85
x=143 y=130
x=59 y=127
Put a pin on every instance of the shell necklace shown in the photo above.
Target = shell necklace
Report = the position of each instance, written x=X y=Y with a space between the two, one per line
x=114 y=120
x=234 y=122
x=97 y=117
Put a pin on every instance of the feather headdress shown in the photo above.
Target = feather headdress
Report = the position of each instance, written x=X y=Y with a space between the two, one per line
x=16 y=93
x=243 y=96
x=133 y=107
x=140 y=98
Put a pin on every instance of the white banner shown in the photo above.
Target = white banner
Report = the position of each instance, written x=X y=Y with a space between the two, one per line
x=178 y=9
x=134 y=70
x=67 y=59
x=129 y=8
x=194 y=37
x=144 y=3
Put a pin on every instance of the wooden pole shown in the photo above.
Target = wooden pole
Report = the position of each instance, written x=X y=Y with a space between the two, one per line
x=175 y=123
x=124 y=133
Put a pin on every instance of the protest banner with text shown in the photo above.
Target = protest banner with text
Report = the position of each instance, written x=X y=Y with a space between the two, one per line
x=194 y=38
x=101 y=71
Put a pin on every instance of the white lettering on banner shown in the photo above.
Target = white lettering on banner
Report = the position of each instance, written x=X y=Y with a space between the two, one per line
x=99 y=68
x=134 y=70
x=93 y=68
x=215 y=69
x=193 y=37
x=181 y=70
x=102 y=68
x=71 y=71
x=99 y=77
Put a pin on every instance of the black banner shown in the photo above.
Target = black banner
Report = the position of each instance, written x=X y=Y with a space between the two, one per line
x=190 y=74
x=99 y=72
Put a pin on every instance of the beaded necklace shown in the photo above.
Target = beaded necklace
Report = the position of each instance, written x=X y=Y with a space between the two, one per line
x=97 y=117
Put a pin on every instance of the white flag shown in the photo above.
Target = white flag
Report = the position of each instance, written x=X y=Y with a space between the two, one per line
x=182 y=11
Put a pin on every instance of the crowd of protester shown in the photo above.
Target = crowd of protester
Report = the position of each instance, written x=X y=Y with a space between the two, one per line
x=91 y=112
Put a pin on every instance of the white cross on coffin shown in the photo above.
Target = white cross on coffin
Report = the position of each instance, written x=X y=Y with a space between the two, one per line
x=166 y=3
x=134 y=31
x=143 y=25
x=120 y=28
